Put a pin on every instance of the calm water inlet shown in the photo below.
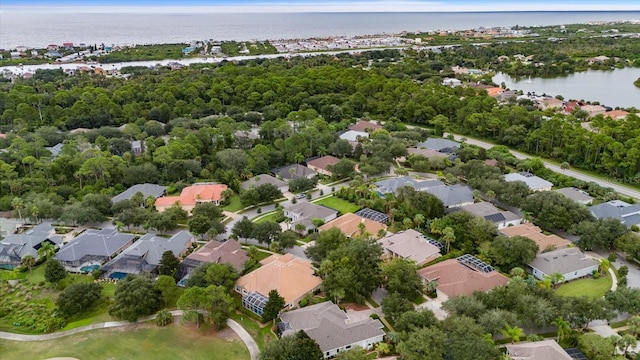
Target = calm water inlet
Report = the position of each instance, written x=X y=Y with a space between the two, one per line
x=612 y=88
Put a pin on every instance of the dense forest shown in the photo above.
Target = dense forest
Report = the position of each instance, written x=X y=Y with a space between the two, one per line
x=297 y=105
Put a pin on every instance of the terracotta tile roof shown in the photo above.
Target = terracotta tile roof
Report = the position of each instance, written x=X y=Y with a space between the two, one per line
x=322 y=162
x=202 y=192
x=455 y=279
x=364 y=125
x=495 y=91
x=529 y=230
x=292 y=276
x=348 y=224
x=616 y=114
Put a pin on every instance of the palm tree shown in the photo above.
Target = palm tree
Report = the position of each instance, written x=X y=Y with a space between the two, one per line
x=634 y=325
x=448 y=236
x=546 y=283
x=46 y=250
x=28 y=261
x=556 y=279
x=604 y=266
x=564 y=328
x=18 y=204
x=298 y=158
x=431 y=286
x=514 y=333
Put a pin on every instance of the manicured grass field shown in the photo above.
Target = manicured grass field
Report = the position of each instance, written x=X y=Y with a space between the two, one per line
x=138 y=342
x=268 y=217
x=234 y=204
x=591 y=288
x=338 y=204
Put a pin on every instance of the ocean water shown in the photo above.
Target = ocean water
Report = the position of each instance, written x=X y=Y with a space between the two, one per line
x=39 y=29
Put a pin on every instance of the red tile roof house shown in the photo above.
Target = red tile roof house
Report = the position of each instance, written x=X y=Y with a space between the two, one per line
x=320 y=164
x=456 y=277
x=192 y=195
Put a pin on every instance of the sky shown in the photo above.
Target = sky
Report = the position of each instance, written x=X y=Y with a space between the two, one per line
x=314 y=6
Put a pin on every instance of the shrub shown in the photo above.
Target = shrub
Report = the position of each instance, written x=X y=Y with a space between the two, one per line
x=164 y=317
x=596 y=275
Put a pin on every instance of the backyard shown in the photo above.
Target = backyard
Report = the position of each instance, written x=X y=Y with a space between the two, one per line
x=338 y=204
x=589 y=287
x=143 y=341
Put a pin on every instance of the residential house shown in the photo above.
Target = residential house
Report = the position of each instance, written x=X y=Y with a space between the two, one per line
x=294 y=171
x=545 y=242
x=539 y=350
x=576 y=195
x=593 y=110
x=263 y=179
x=488 y=211
x=617 y=114
x=192 y=195
x=392 y=185
x=428 y=153
x=534 y=183
x=213 y=252
x=494 y=91
x=291 y=276
x=627 y=213
x=373 y=215
x=349 y=225
x=55 y=150
x=551 y=103
x=14 y=247
x=331 y=328
x=453 y=196
x=144 y=256
x=441 y=145
x=321 y=164
x=364 y=126
x=353 y=136
x=304 y=212
x=89 y=250
x=452 y=82
x=572 y=263
x=145 y=189
x=463 y=276
x=410 y=245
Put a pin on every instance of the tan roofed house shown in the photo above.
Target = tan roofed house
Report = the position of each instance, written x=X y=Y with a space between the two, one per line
x=320 y=164
x=410 y=245
x=544 y=242
x=349 y=223
x=192 y=195
x=455 y=279
x=540 y=350
x=214 y=252
x=292 y=276
x=617 y=114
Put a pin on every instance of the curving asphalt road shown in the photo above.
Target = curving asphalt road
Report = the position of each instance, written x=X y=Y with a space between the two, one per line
x=578 y=175
x=254 y=351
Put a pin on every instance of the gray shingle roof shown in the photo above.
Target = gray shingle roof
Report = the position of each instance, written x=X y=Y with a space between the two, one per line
x=627 y=213
x=311 y=210
x=55 y=150
x=329 y=326
x=438 y=144
x=103 y=243
x=490 y=212
x=533 y=182
x=16 y=246
x=146 y=189
x=299 y=171
x=562 y=261
x=454 y=195
x=261 y=180
x=392 y=185
x=352 y=135
x=575 y=194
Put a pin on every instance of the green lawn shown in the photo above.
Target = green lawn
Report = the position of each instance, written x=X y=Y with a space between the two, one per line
x=234 y=204
x=267 y=217
x=343 y=206
x=591 y=288
x=137 y=342
x=261 y=333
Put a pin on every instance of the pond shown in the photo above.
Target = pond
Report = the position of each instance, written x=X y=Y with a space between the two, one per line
x=609 y=87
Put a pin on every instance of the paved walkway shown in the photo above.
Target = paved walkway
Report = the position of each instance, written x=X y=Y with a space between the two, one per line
x=254 y=351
